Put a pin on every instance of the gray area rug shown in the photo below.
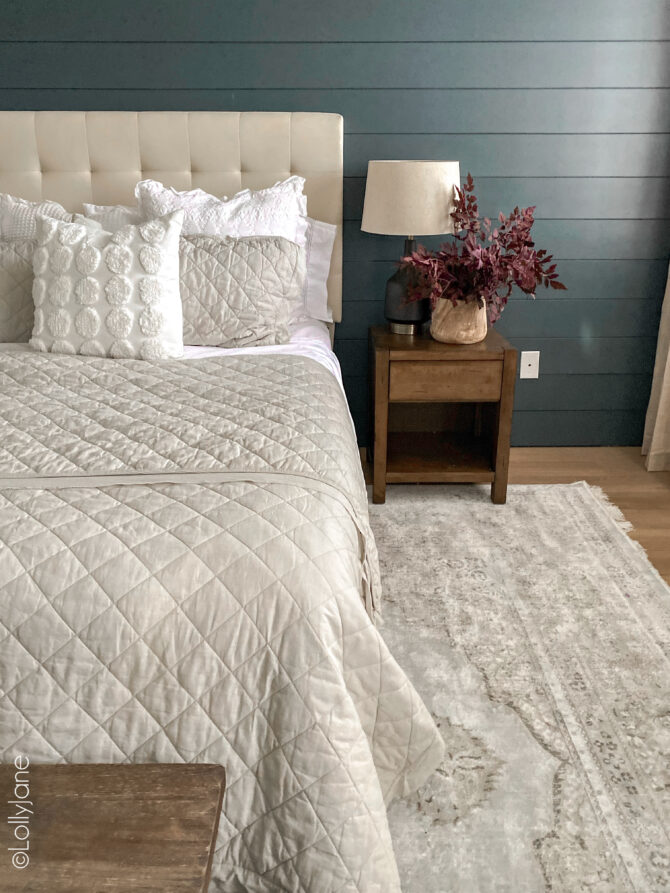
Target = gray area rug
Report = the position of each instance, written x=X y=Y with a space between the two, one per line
x=539 y=635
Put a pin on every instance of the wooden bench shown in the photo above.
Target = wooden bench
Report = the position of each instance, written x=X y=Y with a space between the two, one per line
x=108 y=827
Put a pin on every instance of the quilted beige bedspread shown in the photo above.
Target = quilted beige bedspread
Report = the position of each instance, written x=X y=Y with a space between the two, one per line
x=185 y=565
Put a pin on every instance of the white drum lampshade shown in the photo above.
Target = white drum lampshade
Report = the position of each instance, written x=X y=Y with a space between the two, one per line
x=409 y=198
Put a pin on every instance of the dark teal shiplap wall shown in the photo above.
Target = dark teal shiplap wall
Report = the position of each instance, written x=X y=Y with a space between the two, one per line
x=563 y=105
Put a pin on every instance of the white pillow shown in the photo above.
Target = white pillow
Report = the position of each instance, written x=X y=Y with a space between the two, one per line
x=18 y=216
x=279 y=210
x=113 y=217
x=318 y=253
x=108 y=294
x=317 y=236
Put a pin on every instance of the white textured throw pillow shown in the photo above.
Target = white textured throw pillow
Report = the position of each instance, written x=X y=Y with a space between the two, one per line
x=108 y=294
x=18 y=216
x=279 y=210
x=16 y=289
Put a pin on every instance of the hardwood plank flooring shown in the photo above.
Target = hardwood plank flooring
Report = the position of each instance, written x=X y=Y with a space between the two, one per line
x=643 y=497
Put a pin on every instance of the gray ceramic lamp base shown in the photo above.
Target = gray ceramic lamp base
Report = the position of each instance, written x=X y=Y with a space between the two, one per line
x=404 y=317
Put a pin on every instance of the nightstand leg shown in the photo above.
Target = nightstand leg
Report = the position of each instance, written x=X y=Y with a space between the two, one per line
x=503 y=429
x=378 y=491
x=381 y=407
x=499 y=489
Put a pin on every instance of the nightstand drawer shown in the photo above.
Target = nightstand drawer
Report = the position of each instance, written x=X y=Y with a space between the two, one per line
x=454 y=381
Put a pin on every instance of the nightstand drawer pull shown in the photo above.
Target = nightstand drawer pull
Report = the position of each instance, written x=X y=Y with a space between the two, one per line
x=453 y=381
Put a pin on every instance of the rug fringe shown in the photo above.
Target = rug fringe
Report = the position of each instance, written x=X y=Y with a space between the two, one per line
x=613 y=510
x=615 y=513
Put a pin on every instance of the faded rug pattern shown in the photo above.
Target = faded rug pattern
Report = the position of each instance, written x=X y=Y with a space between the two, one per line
x=538 y=634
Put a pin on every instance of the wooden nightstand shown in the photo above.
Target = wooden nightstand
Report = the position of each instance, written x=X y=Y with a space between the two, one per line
x=440 y=412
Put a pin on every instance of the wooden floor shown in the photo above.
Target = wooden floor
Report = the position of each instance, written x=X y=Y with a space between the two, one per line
x=643 y=497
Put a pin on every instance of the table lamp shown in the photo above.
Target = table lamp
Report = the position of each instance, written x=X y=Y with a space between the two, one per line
x=403 y=197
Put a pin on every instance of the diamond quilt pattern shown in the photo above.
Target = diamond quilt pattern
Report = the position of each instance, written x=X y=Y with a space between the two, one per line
x=205 y=621
x=16 y=289
x=65 y=415
x=239 y=292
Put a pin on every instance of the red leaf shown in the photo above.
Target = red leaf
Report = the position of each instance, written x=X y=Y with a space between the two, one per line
x=489 y=266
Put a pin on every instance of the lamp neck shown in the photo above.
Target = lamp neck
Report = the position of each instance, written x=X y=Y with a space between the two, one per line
x=410 y=245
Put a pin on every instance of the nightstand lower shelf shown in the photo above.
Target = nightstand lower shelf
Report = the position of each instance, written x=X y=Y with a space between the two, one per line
x=437 y=457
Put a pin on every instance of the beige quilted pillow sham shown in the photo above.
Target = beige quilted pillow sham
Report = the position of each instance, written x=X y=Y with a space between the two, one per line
x=240 y=292
x=16 y=289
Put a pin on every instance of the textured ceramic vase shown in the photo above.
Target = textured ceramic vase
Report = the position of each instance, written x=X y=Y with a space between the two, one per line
x=461 y=323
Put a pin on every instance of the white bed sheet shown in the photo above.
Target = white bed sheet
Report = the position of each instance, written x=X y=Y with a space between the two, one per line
x=308 y=338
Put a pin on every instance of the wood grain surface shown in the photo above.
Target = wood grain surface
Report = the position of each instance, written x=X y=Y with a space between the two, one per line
x=139 y=828
x=415 y=378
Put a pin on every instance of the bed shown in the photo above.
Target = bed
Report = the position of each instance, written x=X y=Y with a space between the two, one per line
x=187 y=571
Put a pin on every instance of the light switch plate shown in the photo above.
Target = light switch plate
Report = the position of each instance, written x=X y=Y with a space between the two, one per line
x=530 y=364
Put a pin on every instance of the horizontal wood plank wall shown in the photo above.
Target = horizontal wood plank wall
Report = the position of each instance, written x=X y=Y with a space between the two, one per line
x=562 y=106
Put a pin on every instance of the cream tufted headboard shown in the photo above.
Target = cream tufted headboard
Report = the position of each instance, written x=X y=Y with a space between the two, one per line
x=76 y=157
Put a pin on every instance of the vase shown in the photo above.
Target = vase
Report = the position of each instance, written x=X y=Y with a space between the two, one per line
x=462 y=323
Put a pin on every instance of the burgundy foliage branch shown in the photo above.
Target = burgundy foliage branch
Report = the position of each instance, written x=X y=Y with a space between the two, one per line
x=484 y=261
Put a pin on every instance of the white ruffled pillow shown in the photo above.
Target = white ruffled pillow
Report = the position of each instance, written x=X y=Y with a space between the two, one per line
x=18 y=216
x=279 y=210
x=108 y=294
